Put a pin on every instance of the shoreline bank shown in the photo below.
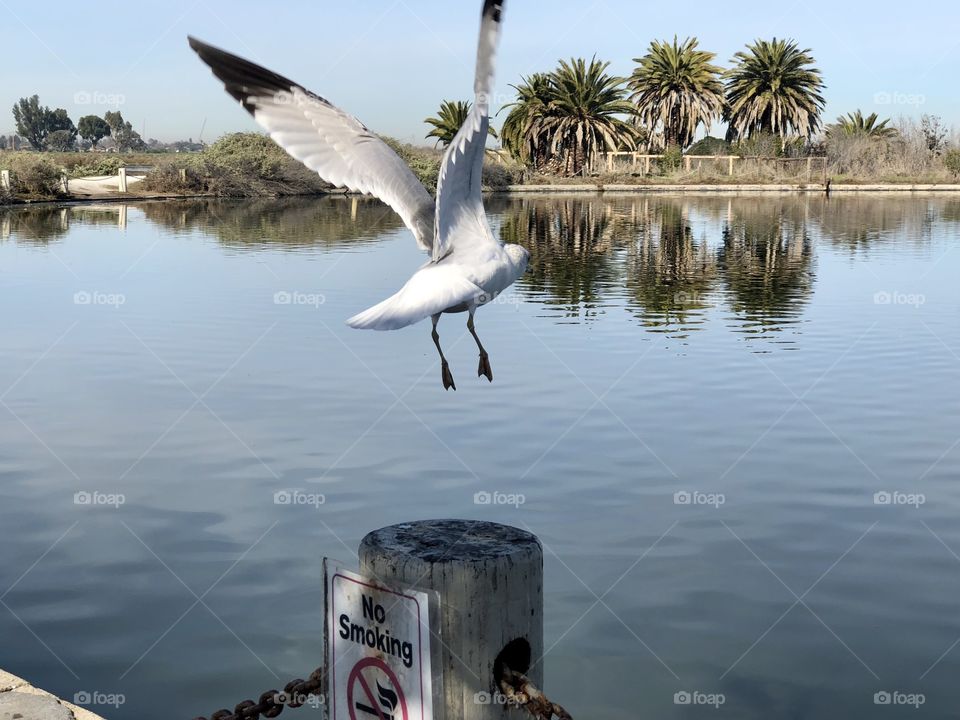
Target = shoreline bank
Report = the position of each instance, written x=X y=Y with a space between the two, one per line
x=558 y=189
x=18 y=698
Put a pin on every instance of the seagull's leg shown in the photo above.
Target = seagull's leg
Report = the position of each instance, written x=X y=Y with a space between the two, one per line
x=484 y=368
x=445 y=373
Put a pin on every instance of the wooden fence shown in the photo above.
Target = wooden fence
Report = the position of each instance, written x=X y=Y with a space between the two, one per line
x=644 y=164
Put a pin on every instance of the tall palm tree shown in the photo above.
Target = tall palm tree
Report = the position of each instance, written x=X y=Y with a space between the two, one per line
x=676 y=89
x=584 y=113
x=522 y=133
x=773 y=88
x=453 y=114
x=855 y=124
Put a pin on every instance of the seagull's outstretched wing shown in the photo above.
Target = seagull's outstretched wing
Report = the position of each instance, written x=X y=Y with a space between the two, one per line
x=459 y=196
x=324 y=138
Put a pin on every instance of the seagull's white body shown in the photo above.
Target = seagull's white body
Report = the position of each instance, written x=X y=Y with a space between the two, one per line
x=468 y=266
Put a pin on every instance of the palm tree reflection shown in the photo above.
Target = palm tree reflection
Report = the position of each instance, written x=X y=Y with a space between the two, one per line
x=766 y=261
x=670 y=274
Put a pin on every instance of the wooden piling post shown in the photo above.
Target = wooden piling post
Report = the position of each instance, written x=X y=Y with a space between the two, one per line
x=122 y=180
x=730 y=165
x=5 y=180
x=490 y=581
x=686 y=163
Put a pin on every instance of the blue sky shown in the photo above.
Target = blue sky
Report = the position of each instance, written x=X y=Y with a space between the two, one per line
x=390 y=62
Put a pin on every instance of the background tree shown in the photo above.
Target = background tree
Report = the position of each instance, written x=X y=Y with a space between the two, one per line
x=856 y=125
x=934 y=134
x=584 y=113
x=676 y=89
x=33 y=121
x=453 y=114
x=123 y=133
x=773 y=88
x=522 y=134
x=61 y=140
x=93 y=128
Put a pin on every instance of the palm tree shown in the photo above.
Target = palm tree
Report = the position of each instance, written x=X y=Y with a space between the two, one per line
x=676 y=89
x=522 y=132
x=453 y=114
x=856 y=125
x=584 y=112
x=774 y=89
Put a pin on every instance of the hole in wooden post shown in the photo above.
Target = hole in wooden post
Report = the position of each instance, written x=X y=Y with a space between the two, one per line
x=515 y=655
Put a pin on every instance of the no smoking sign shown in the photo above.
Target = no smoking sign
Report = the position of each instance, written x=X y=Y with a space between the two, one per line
x=378 y=649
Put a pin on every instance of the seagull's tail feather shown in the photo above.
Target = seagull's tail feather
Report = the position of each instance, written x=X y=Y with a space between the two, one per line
x=432 y=289
x=383 y=316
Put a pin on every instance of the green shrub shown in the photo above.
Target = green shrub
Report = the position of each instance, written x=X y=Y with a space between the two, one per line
x=498 y=176
x=179 y=178
x=760 y=144
x=672 y=159
x=237 y=165
x=425 y=162
x=102 y=165
x=34 y=176
x=951 y=159
x=709 y=146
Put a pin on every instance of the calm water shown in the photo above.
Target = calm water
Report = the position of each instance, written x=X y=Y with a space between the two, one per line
x=785 y=358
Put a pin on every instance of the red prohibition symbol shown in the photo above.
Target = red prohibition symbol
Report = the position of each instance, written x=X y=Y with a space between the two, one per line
x=382 y=702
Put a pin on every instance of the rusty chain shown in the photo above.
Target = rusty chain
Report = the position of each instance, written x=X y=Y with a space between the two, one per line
x=521 y=692
x=516 y=687
x=272 y=702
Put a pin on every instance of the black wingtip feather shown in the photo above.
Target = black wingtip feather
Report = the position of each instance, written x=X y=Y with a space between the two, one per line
x=493 y=8
x=241 y=78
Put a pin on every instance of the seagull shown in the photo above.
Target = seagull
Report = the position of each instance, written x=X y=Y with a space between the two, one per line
x=468 y=266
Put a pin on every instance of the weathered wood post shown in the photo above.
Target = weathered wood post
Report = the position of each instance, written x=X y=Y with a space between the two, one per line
x=686 y=163
x=122 y=180
x=730 y=165
x=5 y=180
x=490 y=581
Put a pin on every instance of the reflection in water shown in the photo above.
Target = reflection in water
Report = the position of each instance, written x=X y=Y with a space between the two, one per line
x=46 y=223
x=295 y=222
x=669 y=272
x=668 y=261
x=753 y=255
x=765 y=262
x=858 y=221
x=570 y=242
